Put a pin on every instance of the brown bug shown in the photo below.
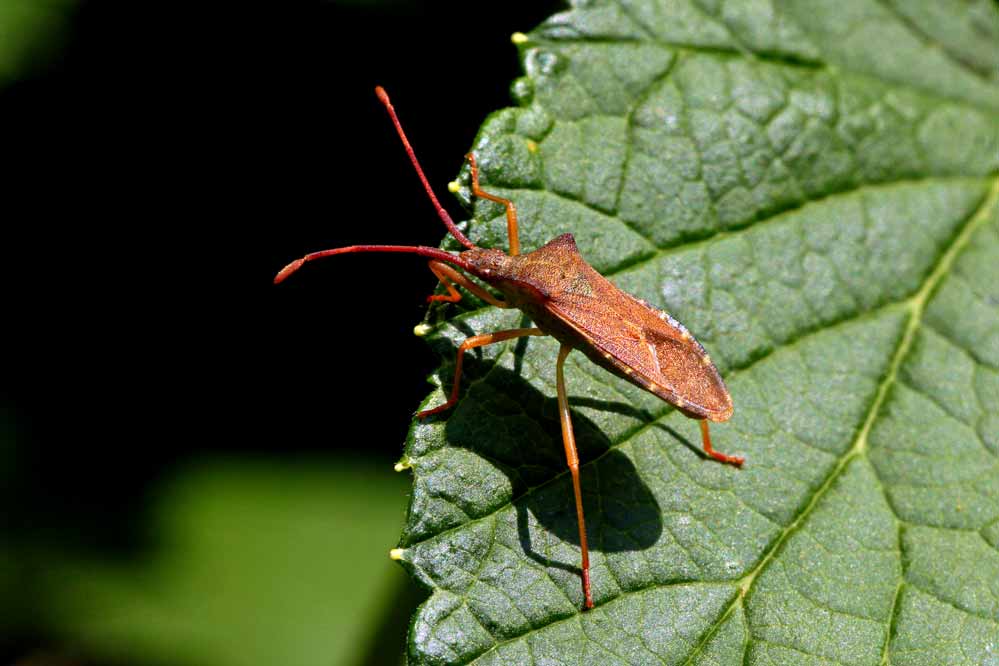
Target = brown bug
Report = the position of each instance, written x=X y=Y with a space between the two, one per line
x=577 y=306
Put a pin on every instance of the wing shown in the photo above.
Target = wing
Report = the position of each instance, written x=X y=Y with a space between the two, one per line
x=644 y=345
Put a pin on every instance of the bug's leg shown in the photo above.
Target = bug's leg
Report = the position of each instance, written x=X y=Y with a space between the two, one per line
x=448 y=276
x=569 y=440
x=717 y=455
x=511 y=210
x=452 y=296
x=472 y=343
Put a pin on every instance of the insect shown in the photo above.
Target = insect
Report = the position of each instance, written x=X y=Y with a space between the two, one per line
x=568 y=300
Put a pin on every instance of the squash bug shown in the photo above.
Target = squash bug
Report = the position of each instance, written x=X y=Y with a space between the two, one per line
x=568 y=300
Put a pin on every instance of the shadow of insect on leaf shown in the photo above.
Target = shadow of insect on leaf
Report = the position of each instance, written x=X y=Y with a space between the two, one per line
x=515 y=427
x=682 y=440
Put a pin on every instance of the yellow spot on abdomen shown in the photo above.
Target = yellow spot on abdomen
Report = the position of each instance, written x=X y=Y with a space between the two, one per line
x=396 y=554
x=454 y=187
x=518 y=38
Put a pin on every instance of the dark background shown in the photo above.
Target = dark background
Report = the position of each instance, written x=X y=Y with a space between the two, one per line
x=160 y=167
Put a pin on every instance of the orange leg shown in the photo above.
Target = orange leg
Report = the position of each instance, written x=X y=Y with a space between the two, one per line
x=448 y=275
x=511 y=210
x=706 y=439
x=472 y=343
x=569 y=440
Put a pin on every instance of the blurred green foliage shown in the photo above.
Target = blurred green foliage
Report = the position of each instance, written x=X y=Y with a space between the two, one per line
x=31 y=31
x=253 y=563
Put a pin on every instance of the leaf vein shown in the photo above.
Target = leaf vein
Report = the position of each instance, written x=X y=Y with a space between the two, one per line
x=967 y=612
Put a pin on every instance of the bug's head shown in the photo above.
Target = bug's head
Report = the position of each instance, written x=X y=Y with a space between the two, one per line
x=487 y=263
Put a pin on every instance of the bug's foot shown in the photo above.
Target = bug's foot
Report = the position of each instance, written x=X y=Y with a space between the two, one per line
x=442 y=297
x=731 y=460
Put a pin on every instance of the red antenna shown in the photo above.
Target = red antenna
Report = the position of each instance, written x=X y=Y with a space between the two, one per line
x=451 y=227
x=431 y=252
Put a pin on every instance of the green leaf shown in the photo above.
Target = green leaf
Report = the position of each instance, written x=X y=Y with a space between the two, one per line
x=812 y=189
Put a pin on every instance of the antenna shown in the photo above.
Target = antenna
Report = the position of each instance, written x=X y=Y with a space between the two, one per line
x=461 y=238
